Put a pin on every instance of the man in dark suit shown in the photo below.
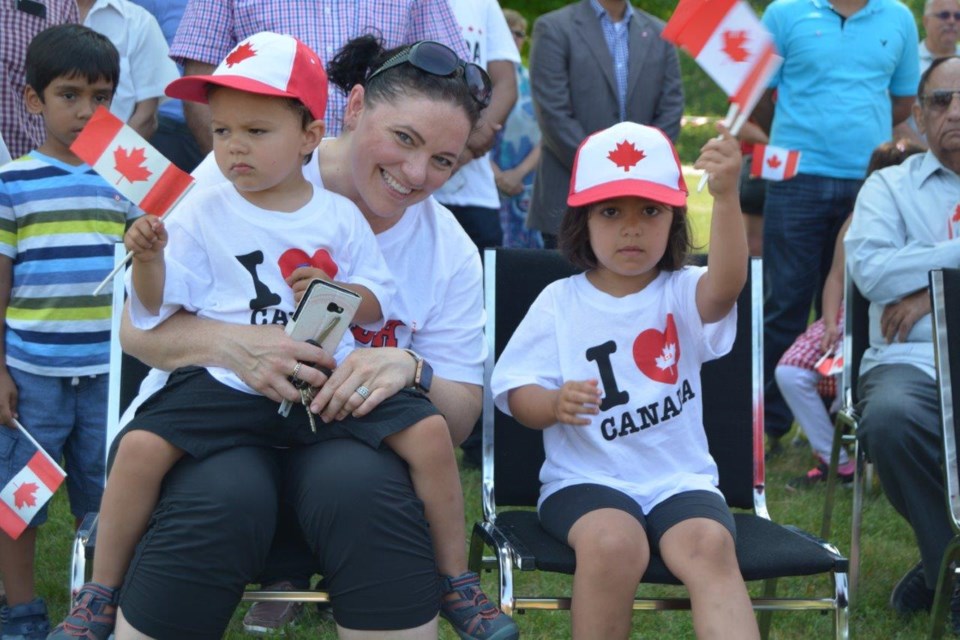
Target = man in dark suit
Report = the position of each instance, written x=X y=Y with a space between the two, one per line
x=594 y=63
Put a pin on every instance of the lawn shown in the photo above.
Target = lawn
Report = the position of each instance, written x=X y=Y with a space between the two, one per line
x=888 y=551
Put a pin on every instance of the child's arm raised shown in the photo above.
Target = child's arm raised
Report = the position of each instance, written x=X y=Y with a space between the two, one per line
x=719 y=288
x=147 y=238
x=538 y=408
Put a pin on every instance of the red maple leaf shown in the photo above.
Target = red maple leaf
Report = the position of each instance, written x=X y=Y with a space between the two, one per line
x=240 y=54
x=956 y=214
x=733 y=42
x=130 y=164
x=626 y=155
x=25 y=495
x=773 y=162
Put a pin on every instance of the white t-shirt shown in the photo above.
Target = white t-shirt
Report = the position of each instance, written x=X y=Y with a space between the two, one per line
x=437 y=309
x=488 y=38
x=145 y=68
x=226 y=259
x=646 y=350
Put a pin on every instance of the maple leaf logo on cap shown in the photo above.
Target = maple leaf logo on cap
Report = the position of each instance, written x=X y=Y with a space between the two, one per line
x=733 y=42
x=130 y=165
x=626 y=155
x=25 y=495
x=240 y=54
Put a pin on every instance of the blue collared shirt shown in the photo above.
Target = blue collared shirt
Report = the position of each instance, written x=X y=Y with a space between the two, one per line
x=834 y=88
x=617 y=35
x=905 y=223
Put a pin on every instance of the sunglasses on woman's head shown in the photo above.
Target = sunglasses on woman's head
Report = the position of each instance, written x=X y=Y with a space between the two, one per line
x=440 y=60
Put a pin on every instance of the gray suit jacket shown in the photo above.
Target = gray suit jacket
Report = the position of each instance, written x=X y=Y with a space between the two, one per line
x=575 y=94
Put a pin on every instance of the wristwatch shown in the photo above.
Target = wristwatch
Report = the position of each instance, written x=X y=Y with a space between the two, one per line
x=423 y=377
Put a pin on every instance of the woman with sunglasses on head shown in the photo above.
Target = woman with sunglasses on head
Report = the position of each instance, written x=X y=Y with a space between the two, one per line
x=409 y=113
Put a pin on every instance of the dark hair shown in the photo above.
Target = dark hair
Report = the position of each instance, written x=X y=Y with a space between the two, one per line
x=888 y=154
x=926 y=74
x=574 y=239
x=360 y=57
x=70 y=50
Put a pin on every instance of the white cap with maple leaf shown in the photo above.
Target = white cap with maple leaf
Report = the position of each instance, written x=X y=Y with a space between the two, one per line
x=627 y=159
x=268 y=64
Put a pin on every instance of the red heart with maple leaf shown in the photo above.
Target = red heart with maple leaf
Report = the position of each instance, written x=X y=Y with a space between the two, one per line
x=292 y=259
x=657 y=354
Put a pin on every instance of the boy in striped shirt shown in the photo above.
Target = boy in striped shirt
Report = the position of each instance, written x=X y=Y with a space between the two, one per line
x=59 y=222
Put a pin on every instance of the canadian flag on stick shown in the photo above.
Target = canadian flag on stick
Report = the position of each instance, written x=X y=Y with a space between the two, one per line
x=774 y=163
x=124 y=159
x=128 y=162
x=29 y=489
x=729 y=42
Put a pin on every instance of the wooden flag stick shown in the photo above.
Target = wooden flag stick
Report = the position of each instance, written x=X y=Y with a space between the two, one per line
x=732 y=122
x=26 y=434
x=117 y=269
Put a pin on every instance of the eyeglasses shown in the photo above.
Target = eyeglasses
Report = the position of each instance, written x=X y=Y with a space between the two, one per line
x=440 y=60
x=946 y=15
x=519 y=34
x=939 y=99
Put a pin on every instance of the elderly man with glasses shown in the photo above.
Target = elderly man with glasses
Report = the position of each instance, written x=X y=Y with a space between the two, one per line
x=904 y=225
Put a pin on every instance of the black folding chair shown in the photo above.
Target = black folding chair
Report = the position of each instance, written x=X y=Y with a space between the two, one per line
x=945 y=302
x=126 y=374
x=856 y=339
x=733 y=406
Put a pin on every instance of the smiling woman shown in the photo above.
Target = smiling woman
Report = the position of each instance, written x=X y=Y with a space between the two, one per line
x=406 y=123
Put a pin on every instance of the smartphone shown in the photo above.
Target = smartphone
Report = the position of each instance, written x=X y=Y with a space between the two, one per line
x=323 y=315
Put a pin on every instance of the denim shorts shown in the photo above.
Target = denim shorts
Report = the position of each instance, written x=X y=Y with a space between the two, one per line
x=68 y=417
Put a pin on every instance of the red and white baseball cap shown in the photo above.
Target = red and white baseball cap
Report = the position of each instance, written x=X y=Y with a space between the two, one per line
x=627 y=159
x=266 y=63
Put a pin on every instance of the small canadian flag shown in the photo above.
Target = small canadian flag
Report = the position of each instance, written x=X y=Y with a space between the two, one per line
x=29 y=489
x=730 y=43
x=128 y=162
x=774 y=163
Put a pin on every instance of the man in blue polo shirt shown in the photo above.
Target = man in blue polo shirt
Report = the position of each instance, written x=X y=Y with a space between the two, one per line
x=850 y=73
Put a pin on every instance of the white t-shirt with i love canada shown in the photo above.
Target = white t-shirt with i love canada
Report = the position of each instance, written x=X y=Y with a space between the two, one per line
x=646 y=350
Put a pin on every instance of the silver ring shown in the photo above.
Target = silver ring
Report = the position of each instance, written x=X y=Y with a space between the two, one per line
x=363 y=392
x=296 y=370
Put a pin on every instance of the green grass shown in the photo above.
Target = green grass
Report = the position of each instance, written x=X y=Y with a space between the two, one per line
x=888 y=551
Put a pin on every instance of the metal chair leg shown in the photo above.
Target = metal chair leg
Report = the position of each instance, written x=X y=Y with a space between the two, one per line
x=828 y=502
x=859 y=489
x=766 y=616
x=945 y=580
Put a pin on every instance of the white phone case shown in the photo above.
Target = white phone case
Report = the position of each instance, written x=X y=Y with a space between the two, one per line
x=323 y=315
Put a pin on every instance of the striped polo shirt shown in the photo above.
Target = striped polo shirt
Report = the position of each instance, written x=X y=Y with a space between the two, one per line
x=59 y=224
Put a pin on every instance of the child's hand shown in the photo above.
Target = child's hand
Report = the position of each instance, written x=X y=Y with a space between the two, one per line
x=146 y=238
x=302 y=277
x=831 y=333
x=577 y=398
x=720 y=158
x=8 y=399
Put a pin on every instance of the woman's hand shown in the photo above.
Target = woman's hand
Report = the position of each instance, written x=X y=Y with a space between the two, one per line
x=383 y=371
x=265 y=357
x=510 y=182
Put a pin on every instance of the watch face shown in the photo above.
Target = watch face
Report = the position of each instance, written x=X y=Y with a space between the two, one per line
x=426 y=376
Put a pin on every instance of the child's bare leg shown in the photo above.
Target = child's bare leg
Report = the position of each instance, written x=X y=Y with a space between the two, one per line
x=612 y=554
x=426 y=446
x=17 y=564
x=702 y=554
x=142 y=460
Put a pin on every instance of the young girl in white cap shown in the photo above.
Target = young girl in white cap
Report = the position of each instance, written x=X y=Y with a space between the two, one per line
x=607 y=364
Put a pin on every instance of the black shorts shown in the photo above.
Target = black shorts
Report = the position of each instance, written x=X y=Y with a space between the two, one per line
x=753 y=191
x=212 y=529
x=202 y=416
x=560 y=511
